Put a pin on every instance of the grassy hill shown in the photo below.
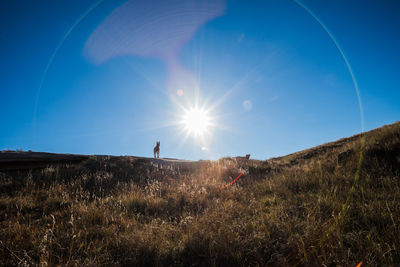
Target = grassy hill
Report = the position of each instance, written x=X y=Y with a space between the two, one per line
x=333 y=205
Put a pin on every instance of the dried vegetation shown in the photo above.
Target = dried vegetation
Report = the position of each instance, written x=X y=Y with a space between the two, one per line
x=311 y=208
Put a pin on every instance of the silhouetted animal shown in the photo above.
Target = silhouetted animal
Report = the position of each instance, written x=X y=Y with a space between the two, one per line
x=157 y=150
x=243 y=159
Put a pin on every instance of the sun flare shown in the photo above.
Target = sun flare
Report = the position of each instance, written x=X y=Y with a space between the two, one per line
x=196 y=121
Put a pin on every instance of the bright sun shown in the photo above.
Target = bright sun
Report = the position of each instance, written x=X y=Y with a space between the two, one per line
x=196 y=121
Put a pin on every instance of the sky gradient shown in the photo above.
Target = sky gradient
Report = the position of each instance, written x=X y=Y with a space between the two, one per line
x=101 y=77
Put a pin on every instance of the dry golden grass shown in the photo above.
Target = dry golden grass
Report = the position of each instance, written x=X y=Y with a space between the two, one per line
x=311 y=208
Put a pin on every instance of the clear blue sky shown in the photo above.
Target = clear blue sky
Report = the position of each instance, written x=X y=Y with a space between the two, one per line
x=100 y=77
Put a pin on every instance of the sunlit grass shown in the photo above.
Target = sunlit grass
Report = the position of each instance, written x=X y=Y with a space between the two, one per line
x=121 y=211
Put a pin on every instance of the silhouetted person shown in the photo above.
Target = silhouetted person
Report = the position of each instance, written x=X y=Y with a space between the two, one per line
x=157 y=150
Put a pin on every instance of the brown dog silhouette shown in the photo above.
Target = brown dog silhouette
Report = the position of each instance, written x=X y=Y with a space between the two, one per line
x=157 y=150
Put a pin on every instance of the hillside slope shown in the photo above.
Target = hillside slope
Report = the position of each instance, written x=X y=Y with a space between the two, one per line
x=333 y=205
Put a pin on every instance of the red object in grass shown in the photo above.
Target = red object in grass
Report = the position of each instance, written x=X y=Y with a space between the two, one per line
x=358 y=265
x=233 y=180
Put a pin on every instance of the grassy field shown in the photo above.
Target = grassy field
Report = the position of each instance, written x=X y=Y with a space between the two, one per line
x=333 y=205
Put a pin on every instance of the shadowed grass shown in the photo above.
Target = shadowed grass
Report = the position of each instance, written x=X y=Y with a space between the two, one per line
x=288 y=211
